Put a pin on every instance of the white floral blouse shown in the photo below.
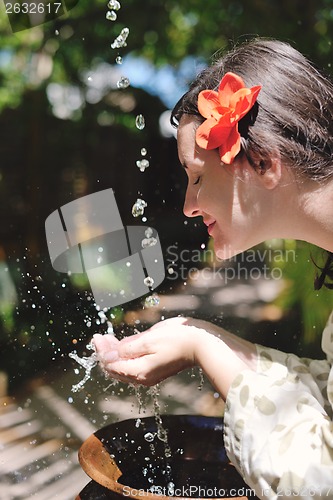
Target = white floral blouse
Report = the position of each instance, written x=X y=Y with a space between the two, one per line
x=278 y=424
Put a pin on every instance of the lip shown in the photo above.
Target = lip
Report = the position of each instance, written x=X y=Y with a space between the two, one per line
x=210 y=226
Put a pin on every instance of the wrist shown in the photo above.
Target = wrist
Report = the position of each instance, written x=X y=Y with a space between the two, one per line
x=200 y=338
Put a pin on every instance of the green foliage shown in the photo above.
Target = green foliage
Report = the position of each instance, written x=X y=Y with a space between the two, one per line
x=162 y=31
x=47 y=161
x=299 y=273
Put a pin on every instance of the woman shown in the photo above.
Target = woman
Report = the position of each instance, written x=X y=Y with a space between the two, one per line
x=255 y=136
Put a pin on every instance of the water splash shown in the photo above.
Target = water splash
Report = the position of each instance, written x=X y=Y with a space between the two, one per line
x=149 y=232
x=152 y=301
x=148 y=281
x=114 y=5
x=88 y=363
x=138 y=207
x=120 y=41
x=149 y=241
x=140 y=122
x=142 y=164
x=111 y=15
x=149 y=437
x=201 y=379
x=162 y=433
x=123 y=83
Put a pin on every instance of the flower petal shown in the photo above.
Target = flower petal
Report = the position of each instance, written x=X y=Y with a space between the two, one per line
x=244 y=100
x=203 y=131
x=231 y=147
x=211 y=137
x=223 y=110
x=207 y=101
x=230 y=84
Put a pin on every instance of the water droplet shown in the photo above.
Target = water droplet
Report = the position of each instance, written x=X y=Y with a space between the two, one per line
x=123 y=83
x=56 y=32
x=140 y=122
x=138 y=207
x=111 y=15
x=120 y=41
x=143 y=151
x=149 y=437
x=148 y=281
x=142 y=164
x=152 y=301
x=162 y=435
x=149 y=232
x=171 y=489
x=148 y=242
x=114 y=5
x=90 y=346
x=119 y=60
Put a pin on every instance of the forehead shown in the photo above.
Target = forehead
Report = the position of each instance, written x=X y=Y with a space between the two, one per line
x=186 y=137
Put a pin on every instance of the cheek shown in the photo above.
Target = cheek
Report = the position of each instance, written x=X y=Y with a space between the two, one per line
x=216 y=199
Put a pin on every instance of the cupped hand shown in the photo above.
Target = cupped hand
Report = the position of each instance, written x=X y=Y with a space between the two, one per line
x=151 y=356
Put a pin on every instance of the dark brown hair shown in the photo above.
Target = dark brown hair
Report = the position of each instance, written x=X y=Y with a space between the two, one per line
x=294 y=114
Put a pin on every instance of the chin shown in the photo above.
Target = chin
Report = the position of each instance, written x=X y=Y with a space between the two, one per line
x=225 y=252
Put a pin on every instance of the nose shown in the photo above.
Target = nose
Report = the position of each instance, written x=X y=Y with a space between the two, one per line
x=191 y=207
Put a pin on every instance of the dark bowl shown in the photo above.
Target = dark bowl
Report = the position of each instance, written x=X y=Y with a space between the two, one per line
x=129 y=459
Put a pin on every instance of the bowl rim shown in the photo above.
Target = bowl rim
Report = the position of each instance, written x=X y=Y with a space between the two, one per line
x=98 y=464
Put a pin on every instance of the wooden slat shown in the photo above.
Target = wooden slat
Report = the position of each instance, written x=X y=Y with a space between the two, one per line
x=65 y=488
x=25 y=457
x=37 y=481
x=12 y=434
x=14 y=417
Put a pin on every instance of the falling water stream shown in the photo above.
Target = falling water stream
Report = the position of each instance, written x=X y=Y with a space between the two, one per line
x=152 y=300
x=138 y=208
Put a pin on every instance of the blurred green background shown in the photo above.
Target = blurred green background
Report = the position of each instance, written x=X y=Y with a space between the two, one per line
x=67 y=130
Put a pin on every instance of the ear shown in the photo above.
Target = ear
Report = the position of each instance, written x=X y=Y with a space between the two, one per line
x=270 y=171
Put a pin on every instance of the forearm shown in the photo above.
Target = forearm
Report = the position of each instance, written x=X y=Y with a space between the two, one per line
x=221 y=360
x=245 y=350
x=173 y=345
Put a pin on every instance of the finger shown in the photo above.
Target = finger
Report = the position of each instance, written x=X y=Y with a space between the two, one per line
x=134 y=348
x=106 y=348
x=179 y=320
x=104 y=342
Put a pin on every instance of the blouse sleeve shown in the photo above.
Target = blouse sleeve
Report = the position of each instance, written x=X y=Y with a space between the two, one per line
x=278 y=428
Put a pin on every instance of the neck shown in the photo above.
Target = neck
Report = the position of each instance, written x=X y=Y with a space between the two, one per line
x=310 y=216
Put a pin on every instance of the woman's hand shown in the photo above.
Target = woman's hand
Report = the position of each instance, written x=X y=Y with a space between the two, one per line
x=151 y=356
x=171 y=346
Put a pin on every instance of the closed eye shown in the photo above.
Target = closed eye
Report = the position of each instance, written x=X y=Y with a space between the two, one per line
x=197 y=181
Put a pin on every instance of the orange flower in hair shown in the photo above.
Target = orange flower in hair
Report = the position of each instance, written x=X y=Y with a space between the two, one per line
x=223 y=110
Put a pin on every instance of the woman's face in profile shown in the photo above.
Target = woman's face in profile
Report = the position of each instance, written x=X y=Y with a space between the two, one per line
x=227 y=197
